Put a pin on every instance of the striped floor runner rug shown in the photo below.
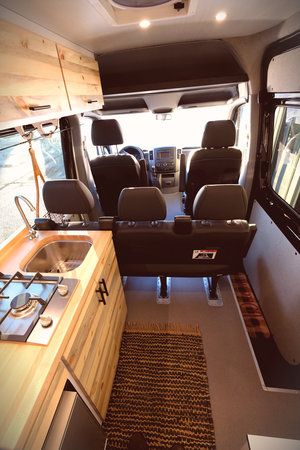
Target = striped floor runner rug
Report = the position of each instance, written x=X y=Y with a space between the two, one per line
x=161 y=389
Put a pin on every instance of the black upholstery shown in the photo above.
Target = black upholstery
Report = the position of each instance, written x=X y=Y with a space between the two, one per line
x=141 y=203
x=106 y=132
x=216 y=163
x=218 y=202
x=157 y=247
x=112 y=173
x=67 y=197
x=218 y=134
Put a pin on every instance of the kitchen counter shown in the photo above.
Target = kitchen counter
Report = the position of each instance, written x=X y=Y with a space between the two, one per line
x=28 y=370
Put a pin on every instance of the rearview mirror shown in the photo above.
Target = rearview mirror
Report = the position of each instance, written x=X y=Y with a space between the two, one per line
x=163 y=116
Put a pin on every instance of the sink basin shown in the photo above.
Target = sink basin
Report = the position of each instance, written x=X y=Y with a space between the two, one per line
x=58 y=256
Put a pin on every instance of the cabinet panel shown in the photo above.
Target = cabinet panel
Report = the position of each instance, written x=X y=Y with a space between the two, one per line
x=30 y=75
x=92 y=353
x=82 y=79
x=45 y=415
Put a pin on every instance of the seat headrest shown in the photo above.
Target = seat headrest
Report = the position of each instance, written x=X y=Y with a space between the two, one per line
x=220 y=202
x=219 y=133
x=67 y=197
x=106 y=132
x=141 y=204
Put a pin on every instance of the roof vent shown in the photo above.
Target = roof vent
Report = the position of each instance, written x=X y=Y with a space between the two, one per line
x=138 y=3
x=129 y=12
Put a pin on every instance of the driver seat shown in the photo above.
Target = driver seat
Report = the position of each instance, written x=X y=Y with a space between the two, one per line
x=113 y=173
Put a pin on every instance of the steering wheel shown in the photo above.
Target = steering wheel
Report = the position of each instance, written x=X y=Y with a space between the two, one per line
x=132 y=150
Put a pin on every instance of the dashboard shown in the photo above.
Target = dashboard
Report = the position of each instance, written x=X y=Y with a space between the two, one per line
x=164 y=159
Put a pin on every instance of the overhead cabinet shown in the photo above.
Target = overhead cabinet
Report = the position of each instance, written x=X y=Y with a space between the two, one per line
x=31 y=81
x=35 y=82
x=81 y=76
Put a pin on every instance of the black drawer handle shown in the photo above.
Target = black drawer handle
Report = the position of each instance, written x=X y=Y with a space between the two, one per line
x=102 y=290
x=38 y=108
x=92 y=101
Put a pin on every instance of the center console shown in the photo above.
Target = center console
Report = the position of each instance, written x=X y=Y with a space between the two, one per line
x=164 y=164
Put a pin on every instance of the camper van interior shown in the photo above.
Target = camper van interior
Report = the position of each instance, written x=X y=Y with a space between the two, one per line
x=149 y=225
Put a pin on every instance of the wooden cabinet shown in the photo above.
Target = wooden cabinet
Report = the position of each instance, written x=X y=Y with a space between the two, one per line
x=31 y=81
x=45 y=414
x=40 y=79
x=82 y=80
x=92 y=353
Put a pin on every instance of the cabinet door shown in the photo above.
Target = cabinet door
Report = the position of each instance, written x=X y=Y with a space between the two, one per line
x=82 y=79
x=92 y=352
x=31 y=82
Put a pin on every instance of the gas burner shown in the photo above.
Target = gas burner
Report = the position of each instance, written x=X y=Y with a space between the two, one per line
x=31 y=306
x=23 y=304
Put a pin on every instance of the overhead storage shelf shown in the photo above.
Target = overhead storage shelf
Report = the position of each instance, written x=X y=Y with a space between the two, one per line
x=172 y=66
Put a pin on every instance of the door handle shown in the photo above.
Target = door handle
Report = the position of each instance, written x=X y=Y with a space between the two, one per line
x=39 y=108
x=102 y=290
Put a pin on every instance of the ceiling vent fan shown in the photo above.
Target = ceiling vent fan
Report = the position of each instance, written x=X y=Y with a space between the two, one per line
x=130 y=12
x=138 y=3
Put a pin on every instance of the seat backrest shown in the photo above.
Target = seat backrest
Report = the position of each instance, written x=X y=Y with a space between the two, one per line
x=147 y=245
x=112 y=173
x=67 y=197
x=70 y=197
x=217 y=162
x=141 y=204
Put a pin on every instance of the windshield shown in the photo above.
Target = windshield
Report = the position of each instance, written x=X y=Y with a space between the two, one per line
x=184 y=129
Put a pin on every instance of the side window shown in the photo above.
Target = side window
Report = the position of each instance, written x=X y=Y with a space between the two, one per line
x=285 y=167
x=16 y=174
x=242 y=123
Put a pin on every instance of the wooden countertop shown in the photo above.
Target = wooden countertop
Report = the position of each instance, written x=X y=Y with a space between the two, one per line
x=26 y=370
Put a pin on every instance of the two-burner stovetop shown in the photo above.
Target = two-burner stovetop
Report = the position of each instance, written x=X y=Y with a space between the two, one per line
x=31 y=305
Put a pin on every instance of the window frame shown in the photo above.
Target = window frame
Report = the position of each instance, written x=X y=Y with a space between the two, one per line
x=283 y=215
x=12 y=132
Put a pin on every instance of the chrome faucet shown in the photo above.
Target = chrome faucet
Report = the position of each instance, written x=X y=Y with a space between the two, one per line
x=32 y=232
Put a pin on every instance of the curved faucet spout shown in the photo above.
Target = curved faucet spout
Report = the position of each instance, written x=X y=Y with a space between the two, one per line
x=32 y=232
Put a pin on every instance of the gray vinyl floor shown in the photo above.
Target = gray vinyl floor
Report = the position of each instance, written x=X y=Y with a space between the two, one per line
x=239 y=404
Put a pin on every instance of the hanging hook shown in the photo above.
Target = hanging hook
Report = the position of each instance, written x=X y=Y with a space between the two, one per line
x=26 y=135
x=40 y=127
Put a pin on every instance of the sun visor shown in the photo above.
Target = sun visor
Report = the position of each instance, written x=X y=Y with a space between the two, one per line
x=209 y=95
x=168 y=67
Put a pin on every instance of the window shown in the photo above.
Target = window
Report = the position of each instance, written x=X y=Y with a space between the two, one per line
x=184 y=129
x=16 y=175
x=285 y=167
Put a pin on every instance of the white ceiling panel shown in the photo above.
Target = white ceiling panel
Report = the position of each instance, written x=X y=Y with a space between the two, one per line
x=83 y=22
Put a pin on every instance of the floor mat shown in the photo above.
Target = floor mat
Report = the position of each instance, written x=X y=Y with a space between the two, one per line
x=161 y=389
x=275 y=370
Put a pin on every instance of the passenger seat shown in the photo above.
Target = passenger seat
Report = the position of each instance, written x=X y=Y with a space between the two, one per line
x=217 y=162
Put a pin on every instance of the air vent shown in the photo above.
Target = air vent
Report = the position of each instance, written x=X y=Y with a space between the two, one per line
x=138 y=3
x=127 y=12
x=151 y=154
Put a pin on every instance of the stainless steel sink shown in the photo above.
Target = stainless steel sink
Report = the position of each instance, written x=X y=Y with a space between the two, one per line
x=58 y=256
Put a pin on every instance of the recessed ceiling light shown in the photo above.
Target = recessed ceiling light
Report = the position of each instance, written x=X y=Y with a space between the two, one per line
x=220 y=16
x=145 y=23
